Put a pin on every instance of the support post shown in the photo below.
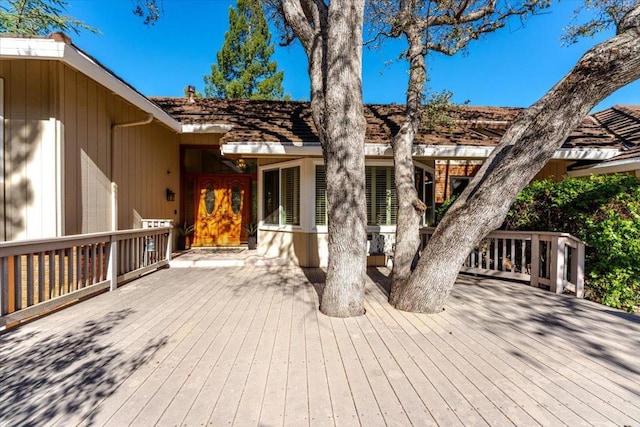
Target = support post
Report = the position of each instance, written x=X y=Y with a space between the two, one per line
x=557 y=265
x=112 y=271
x=535 y=260
x=579 y=271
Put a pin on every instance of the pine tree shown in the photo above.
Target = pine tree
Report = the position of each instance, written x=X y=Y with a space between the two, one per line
x=244 y=69
x=37 y=18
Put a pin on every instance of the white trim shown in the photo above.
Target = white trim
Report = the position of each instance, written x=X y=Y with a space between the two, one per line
x=279 y=167
x=3 y=190
x=267 y=149
x=48 y=49
x=206 y=128
x=616 y=166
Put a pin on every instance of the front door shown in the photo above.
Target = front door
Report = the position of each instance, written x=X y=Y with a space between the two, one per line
x=222 y=207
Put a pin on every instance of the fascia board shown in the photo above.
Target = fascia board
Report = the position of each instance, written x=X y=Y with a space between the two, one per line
x=86 y=65
x=206 y=128
x=48 y=49
x=383 y=150
x=618 y=166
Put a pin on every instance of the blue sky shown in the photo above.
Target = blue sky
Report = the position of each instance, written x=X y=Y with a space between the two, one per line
x=513 y=67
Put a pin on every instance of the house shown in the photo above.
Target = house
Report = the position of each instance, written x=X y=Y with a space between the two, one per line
x=275 y=146
x=71 y=127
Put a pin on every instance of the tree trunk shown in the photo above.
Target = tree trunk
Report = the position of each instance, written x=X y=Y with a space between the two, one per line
x=332 y=39
x=345 y=127
x=410 y=208
x=527 y=145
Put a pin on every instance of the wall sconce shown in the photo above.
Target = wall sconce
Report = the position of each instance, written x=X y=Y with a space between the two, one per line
x=171 y=195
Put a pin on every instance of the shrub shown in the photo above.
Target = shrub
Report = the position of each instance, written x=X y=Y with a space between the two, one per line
x=603 y=211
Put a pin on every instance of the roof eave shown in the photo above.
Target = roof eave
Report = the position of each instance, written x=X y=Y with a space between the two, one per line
x=49 y=49
x=267 y=149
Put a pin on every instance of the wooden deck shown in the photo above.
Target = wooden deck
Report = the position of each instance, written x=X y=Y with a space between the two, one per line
x=247 y=346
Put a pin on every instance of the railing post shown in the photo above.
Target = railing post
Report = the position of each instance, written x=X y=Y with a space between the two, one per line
x=535 y=260
x=578 y=273
x=557 y=265
x=169 y=245
x=112 y=271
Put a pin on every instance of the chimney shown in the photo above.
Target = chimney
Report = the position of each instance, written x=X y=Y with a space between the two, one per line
x=191 y=91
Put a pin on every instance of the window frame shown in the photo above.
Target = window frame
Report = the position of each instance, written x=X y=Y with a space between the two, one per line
x=368 y=162
x=261 y=208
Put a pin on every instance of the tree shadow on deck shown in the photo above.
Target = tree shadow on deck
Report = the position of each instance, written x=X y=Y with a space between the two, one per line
x=553 y=323
x=43 y=380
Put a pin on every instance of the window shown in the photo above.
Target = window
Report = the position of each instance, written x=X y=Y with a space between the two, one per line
x=458 y=184
x=271 y=192
x=321 y=195
x=382 y=202
x=281 y=196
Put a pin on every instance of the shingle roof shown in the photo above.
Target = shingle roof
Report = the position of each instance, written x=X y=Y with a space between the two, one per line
x=623 y=121
x=291 y=121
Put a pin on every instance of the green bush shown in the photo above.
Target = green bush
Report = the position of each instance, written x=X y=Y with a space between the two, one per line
x=603 y=211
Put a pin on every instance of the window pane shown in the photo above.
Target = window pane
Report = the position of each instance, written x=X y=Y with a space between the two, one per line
x=291 y=196
x=321 y=195
x=236 y=199
x=368 y=171
x=271 y=196
x=210 y=199
x=458 y=184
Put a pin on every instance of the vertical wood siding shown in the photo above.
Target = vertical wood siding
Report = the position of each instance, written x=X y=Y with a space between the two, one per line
x=142 y=156
x=28 y=148
x=49 y=108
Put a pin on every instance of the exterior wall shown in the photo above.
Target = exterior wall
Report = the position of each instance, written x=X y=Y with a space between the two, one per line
x=146 y=157
x=58 y=155
x=29 y=148
x=447 y=169
x=200 y=138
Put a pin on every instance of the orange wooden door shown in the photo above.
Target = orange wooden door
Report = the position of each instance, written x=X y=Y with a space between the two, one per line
x=223 y=206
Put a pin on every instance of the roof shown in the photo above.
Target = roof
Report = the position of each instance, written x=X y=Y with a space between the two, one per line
x=58 y=47
x=252 y=121
x=622 y=121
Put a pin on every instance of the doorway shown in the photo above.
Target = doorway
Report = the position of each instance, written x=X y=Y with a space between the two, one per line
x=222 y=207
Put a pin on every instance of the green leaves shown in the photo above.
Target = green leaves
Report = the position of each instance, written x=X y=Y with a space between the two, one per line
x=37 y=18
x=603 y=211
x=243 y=69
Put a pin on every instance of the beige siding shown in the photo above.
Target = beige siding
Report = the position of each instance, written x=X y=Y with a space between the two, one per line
x=146 y=158
x=57 y=150
x=555 y=169
x=29 y=150
x=200 y=138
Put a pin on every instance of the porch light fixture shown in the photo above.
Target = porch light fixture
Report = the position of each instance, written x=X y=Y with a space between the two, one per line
x=171 y=195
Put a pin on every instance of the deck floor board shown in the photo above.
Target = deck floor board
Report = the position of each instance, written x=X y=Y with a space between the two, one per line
x=248 y=346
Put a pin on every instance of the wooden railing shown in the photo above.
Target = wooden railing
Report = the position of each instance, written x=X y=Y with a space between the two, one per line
x=545 y=259
x=37 y=276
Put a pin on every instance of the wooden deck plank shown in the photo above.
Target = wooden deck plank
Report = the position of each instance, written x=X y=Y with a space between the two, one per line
x=147 y=341
x=250 y=404
x=444 y=386
x=369 y=412
x=273 y=405
x=247 y=346
x=182 y=365
x=216 y=364
x=142 y=385
x=569 y=383
x=297 y=401
x=318 y=396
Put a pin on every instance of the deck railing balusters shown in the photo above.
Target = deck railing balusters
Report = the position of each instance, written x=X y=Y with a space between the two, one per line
x=38 y=276
x=545 y=259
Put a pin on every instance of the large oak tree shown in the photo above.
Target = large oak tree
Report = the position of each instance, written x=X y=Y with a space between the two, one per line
x=525 y=148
